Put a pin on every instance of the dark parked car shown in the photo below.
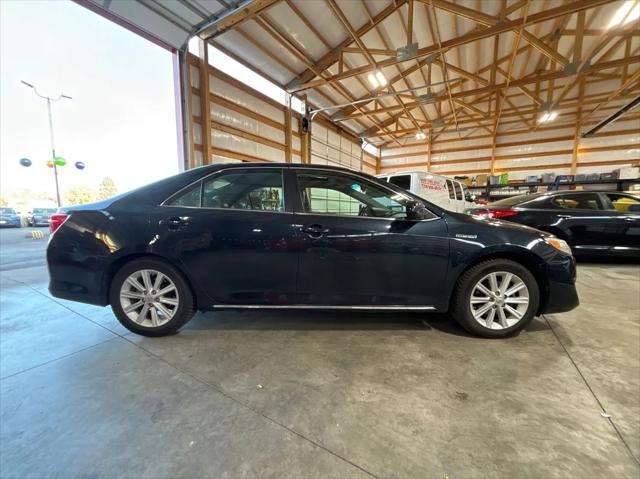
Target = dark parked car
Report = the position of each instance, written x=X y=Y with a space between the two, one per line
x=300 y=236
x=41 y=216
x=9 y=217
x=591 y=222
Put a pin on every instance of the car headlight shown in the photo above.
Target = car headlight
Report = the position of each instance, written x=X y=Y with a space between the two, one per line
x=560 y=245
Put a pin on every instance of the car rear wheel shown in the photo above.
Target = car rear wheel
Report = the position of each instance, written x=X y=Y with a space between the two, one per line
x=496 y=298
x=151 y=298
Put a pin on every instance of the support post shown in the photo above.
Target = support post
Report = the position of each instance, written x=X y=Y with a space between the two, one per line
x=576 y=137
x=287 y=131
x=205 y=104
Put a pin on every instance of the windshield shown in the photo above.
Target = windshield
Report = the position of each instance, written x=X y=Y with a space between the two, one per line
x=7 y=211
x=515 y=200
x=43 y=211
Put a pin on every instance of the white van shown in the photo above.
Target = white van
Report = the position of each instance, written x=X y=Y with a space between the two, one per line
x=445 y=192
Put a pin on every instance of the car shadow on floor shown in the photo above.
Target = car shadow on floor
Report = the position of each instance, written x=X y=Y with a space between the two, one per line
x=300 y=320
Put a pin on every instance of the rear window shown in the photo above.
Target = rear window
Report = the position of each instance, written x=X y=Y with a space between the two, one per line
x=515 y=200
x=43 y=211
x=403 y=181
x=7 y=211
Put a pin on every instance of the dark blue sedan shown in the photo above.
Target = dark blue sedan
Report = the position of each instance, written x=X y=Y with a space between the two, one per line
x=301 y=236
x=9 y=218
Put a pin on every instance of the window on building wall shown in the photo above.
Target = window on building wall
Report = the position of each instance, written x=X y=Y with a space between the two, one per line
x=369 y=148
x=237 y=70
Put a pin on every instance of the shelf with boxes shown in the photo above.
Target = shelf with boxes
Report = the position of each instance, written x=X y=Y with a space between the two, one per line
x=500 y=187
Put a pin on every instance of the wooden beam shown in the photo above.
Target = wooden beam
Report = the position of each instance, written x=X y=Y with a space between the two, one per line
x=205 y=106
x=576 y=138
x=472 y=36
x=332 y=56
x=522 y=81
x=236 y=17
x=287 y=132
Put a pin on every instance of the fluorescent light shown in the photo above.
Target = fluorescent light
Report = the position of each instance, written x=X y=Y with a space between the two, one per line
x=373 y=80
x=548 y=116
x=628 y=11
x=420 y=135
x=377 y=79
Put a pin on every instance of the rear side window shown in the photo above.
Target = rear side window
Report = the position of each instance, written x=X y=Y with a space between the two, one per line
x=578 y=201
x=403 y=181
x=458 y=190
x=255 y=189
x=452 y=195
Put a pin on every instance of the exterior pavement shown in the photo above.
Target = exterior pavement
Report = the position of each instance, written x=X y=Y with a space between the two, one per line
x=316 y=395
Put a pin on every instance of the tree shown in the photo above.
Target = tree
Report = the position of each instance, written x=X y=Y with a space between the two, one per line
x=107 y=189
x=79 y=195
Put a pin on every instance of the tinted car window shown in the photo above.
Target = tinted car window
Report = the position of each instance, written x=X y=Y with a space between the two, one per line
x=450 y=189
x=7 y=211
x=403 y=181
x=458 y=191
x=236 y=189
x=623 y=203
x=578 y=201
x=43 y=211
x=336 y=194
x=245 y=189
x=190 y=197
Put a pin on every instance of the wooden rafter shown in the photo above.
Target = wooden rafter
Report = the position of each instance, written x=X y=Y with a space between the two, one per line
x=470 y=37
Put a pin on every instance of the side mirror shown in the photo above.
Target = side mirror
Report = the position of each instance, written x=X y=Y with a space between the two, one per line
x=415 y=210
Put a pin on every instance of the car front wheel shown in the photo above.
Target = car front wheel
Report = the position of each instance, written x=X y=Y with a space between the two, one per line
x=151 y=298
x=496 y=298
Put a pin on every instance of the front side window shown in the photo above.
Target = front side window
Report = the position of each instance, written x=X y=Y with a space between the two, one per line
x=623 y=203
x=337 y=194
x=578 y=201
x=254 y=189
x=403 y=181
x=452 y=195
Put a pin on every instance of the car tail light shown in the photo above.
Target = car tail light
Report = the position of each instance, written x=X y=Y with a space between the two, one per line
x=497 y=214
x=56 y=221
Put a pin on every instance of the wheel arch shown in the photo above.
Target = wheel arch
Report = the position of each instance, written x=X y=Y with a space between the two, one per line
x=521 y=256
x=118 y=264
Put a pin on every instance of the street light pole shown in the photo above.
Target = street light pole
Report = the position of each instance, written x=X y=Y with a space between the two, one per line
x=53 y=148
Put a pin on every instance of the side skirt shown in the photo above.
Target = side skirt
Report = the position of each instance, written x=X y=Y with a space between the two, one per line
x=308 y=306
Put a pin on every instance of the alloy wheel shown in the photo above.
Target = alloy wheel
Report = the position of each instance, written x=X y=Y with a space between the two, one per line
x=499 y=300
x=149 y=298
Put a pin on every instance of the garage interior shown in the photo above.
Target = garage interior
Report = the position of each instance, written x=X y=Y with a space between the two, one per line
x=480 y=90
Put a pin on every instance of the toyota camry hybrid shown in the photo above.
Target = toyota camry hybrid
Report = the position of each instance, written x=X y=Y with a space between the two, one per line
x=301 y=236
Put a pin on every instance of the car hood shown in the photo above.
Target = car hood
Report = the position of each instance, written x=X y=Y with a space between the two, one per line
x=478 y=221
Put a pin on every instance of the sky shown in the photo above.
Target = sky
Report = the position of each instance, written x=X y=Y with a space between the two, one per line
x=121 y=122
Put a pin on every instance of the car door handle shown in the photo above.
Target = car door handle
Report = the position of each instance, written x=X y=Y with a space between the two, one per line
x=630 y=220
x=174 y=223
x=315 y=231
x=564 y=217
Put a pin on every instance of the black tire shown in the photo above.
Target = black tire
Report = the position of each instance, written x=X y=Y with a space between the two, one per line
x=185 y=309
x=461 y=303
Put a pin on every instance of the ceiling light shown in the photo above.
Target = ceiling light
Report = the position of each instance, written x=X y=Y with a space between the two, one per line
x=421 y=135
x=628 y=11
x=548 y=116
x=381 y=79
x=373 y=80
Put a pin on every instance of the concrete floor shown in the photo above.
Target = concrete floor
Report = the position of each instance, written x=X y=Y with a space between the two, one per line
x=257 y=394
